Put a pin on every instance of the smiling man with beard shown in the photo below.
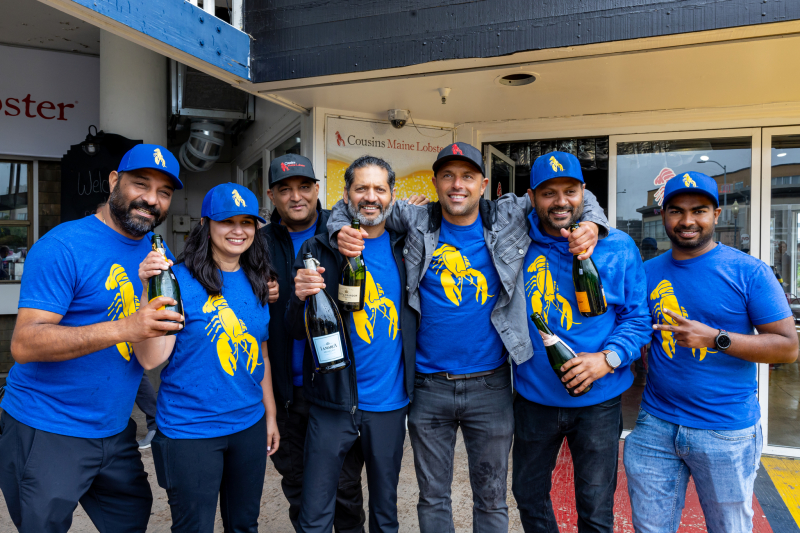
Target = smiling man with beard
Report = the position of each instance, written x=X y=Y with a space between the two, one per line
x=464 y=260
x=544 y=412
x=700 y=415
x=370 y=398
x=66 y=436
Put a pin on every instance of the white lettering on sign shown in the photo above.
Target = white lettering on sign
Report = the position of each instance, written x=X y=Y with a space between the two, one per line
x=328 y=348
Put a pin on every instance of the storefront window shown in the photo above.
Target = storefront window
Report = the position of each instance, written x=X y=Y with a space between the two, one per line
x=15 y=218
x=643 y=168
x=253 y=179
x=784 y=251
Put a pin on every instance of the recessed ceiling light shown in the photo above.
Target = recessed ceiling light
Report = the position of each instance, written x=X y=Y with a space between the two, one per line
x=704 y=158
x=516 y=79
x=781 y=155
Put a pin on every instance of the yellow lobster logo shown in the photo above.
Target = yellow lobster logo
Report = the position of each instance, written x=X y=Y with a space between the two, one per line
x=377 y=303
x=542 y=289
x=230 y=334
x=159 y=159
x=455 y=270
x=125 y=302
x=238 y=199
x=688 y=181
x=665 y=295
x=555 y=164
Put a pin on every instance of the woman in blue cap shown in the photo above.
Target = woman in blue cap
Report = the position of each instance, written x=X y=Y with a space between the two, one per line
x=216 y=411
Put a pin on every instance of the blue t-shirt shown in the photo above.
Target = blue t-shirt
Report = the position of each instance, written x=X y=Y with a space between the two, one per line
x=298 y=348
x=88 y=273
x=212 y=384
x=724 y=289
x=549 y=289
x=375 y=332
x=458 y=294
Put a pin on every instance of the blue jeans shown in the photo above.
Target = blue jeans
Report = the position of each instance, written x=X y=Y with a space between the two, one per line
x=593 y=435
x=482 y=408
x=659 y=458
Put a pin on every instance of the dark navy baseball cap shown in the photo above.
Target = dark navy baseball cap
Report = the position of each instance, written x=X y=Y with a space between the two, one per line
x=462 y=152
x=152 y=156
x=290 y=166
x=692 y=183
x=555 y=165
x=228 y=200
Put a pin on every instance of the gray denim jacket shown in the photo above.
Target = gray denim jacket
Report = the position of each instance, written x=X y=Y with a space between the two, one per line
x=505 y=228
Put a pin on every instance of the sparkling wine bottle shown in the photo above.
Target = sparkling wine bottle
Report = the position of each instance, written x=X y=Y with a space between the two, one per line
x=165 y=283
x=353 y=281
x=588 y=286
x=558 y=352
x=324 y=328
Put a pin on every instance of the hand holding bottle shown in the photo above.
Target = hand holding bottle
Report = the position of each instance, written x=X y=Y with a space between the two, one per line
x=585 y=369
x=152 y=265
x=351 y=241
x=274 y=291
x=308 y=282
x=583 y=240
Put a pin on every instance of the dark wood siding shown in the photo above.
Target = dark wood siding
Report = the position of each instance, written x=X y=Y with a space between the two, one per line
x=305 y=38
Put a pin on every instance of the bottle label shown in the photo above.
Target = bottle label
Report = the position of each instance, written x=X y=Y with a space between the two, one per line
x=583 y=302
x=550 y=340
x=350 y=295
x=328 y=348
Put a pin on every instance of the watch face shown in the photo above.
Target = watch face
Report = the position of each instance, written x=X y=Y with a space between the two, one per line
x=613 y=359
x=723 y=341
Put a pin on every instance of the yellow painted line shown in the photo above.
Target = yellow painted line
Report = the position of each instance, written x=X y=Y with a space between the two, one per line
x=785 y=475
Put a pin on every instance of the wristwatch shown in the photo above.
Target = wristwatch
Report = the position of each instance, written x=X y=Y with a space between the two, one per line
x=612 y=359
x=723 y=340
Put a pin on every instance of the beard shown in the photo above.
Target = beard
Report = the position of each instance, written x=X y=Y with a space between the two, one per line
x=355 y=212
x=126 y=217
x=701 y=240
x=544 y=216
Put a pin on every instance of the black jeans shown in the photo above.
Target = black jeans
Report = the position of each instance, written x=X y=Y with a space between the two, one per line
x=43 y=476
x=331 y=434
x=194 y=472
x=288 y=460
x=593 y=435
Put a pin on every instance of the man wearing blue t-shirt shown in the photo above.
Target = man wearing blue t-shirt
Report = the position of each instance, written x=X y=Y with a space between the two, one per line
x=463 y=258
x=370 y=398
x=700 y=414
x=606 y=345
x=66 y=436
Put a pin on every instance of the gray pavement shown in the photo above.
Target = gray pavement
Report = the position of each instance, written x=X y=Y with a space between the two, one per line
x=274 y=516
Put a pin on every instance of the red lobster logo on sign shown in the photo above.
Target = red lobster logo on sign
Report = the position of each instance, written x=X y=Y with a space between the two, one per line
x=339 y=139
x=284 y=167
x=457 y=150
x=663 y=177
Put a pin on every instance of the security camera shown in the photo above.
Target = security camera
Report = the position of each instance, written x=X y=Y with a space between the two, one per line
x=398 y=117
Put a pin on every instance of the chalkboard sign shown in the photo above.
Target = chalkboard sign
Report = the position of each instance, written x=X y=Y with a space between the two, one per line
x=84 y=177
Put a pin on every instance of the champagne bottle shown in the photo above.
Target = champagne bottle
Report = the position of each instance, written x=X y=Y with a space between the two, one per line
x=165 y=283
x=324 y=329
x=354 y=279
x=588 y=286
x=558 y=352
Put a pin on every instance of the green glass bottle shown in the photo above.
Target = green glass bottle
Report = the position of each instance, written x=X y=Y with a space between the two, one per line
x=588 y=286
x=164 y=284
x=353 y=281
x=558 y=352
x=324 y=329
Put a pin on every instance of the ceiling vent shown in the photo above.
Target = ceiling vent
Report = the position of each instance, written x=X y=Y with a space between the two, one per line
x=517 y=79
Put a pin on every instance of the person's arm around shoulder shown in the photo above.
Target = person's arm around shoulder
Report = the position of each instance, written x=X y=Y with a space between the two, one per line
x=768 y=310
x=46 y=293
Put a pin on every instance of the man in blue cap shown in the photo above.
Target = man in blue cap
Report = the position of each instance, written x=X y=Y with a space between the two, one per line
x=463 y=258
x=699 y=415
x=544 y=412
x=66 y=436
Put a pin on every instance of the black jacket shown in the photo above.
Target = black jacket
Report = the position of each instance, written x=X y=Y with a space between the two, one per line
x=338 y=390
x=280 y=343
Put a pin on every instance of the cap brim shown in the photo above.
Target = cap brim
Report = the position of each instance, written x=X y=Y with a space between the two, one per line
x=175 y=181
x=690 y=191
x=219 y=217
x=439 y=162
x=292 y=176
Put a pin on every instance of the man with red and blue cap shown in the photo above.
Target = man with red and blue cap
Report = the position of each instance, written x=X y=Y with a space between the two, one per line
x=700 y=415
x=66 y=436
x=606 y=345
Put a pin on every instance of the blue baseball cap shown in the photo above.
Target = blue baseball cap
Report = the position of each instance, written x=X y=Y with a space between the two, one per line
x=152 y=156
x=228 y=200
x=555 y=165
x=692 y=183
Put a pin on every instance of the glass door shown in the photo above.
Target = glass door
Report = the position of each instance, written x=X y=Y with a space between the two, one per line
x=779 y=385
x=640 y=166
x=500 y=169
